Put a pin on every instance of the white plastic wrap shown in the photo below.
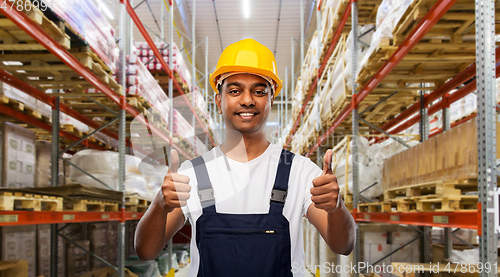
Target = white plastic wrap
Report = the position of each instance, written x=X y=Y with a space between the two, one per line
x=103 y=165
x=388 y=16
x=467 y=256
x=140 y=82
x=87 y=20
x=371 y=160
x=362 y=52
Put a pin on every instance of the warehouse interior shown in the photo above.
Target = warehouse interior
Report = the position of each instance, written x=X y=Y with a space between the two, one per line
x=95 y=93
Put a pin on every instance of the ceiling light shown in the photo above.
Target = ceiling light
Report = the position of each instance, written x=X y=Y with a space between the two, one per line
x=12 y=63
x=246 y=8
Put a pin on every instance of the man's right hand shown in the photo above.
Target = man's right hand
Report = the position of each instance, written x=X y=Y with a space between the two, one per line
x=175 y=189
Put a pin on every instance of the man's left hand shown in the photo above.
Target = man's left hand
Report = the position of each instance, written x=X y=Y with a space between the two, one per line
x=325 y=190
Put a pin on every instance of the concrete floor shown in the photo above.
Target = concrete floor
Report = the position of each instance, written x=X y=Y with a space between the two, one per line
x=183 y=272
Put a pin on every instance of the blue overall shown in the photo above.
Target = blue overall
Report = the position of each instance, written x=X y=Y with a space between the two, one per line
x=256 y=245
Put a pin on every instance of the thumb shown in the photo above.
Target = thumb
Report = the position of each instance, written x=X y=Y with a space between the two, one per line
x=174 y=161
x=327 y=163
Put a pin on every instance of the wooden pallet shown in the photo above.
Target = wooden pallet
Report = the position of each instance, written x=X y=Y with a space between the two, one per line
x=439 y=188
x=426 y=203
x=15 y=39
x=10 y=201
x=87 y=205
x=135 y=204
x=45 y=71
x=375 y=207
x=443 y=52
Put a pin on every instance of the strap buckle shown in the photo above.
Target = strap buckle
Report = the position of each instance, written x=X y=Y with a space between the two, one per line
x=206 y=195
x=278 y=196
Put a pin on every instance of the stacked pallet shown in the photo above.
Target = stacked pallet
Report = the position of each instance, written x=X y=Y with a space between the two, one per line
x=180 y=69
x=439 y=174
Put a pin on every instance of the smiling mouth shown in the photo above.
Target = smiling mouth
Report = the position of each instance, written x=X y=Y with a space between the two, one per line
x=247 y=115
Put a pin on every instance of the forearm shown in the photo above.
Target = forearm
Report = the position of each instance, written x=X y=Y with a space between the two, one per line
x=150 y=236
x=340 y=230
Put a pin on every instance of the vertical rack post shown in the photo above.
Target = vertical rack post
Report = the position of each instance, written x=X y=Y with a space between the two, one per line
x=448 y=245
x=193 y=67
x=286 y=96
x=171 y=96
x=162 y=22
x=125 y=48
x=424 y=135
x=54 y=182
x=301 y=36
x=318 y=55
x=206 y=86
x=486 y=130
x=355 y=129
x=293 y=68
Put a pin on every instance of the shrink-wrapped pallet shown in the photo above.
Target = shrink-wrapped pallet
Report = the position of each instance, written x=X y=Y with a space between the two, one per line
x=449 y=156
x=139 y=178
x=17 y=156
x=86 y=19
x=311 y=64
x=370 y=164
x=43 y=171
x=147 y=56
x=19 y=243
x=140 y=82
x=297 y=99
x=389 y=14
x=336 y=92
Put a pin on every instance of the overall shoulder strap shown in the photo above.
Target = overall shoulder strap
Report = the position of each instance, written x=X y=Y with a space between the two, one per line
x=205 y=190
x=279 y=192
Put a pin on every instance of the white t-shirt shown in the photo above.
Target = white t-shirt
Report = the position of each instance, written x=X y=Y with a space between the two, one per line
x=255 y=179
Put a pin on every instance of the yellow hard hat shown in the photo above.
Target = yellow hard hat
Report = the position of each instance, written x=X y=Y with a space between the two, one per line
x=247 y=56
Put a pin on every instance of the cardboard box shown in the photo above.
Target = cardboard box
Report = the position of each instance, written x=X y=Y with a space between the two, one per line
x=450 y=156
x=99 y=243
x=43 y=172
x=19 y=243
x=18 y=156
x=77 y=261
x=113 y=242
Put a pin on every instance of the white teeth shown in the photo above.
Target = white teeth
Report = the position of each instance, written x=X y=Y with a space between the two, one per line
x=246 y=114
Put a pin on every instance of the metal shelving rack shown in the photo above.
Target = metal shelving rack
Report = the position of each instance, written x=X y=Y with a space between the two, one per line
x=8 y=218
x=485 y=72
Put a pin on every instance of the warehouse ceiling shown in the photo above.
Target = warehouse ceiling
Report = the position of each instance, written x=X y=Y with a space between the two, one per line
x=222 y=22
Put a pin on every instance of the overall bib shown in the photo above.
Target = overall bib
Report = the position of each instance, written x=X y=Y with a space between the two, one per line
x=256 y=245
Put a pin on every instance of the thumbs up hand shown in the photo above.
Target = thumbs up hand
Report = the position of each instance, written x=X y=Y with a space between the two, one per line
x=175 y=189
x=325 y=190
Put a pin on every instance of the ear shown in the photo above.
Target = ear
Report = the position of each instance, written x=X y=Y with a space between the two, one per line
x=218 y=101
x=272 y=101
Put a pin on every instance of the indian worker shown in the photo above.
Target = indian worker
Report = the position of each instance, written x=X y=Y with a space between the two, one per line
x=245 y=198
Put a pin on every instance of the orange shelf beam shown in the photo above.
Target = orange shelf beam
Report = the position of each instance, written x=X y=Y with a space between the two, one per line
x=456 y=219
x=10 y=218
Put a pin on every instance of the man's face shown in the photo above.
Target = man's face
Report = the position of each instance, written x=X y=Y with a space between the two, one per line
x=245 y=102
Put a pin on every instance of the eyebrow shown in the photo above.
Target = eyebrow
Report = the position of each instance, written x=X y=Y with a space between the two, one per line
x=238 y=84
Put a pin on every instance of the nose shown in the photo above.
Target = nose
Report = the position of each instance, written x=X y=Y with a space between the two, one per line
x=246 y=98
